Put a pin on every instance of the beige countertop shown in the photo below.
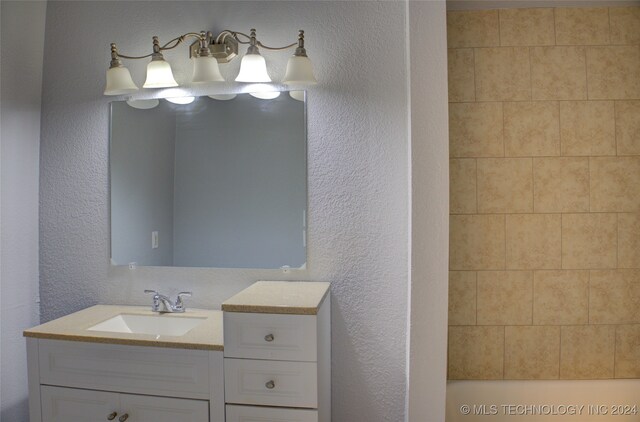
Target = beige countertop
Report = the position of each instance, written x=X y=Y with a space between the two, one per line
x=73 y=327
x=279 y=297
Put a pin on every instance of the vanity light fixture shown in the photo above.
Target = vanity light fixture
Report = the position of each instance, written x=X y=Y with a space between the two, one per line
x=206 y=53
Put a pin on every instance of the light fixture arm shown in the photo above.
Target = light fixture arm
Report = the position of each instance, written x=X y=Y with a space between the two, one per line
x=157 y=48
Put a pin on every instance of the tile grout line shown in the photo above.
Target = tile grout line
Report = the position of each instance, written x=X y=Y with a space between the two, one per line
x=589 y=298
x=586 y=72
x=559 y=130
x=561 y=245
x=475 y=84
x=615 y=125
x=533 y=187
x=476 y=313
x=504 y=349
x=609 y=25
x=505 y=242
x=504 y=145
x=555 y=33
x=617 y=240
x=476 y=182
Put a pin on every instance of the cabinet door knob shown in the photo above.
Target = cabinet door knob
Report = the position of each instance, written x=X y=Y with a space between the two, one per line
x=124 y=417
x=112 y=416
x=269 y=337
x=270 y=384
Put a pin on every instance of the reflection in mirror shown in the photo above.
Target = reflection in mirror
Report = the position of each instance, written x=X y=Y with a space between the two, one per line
x=212 y=183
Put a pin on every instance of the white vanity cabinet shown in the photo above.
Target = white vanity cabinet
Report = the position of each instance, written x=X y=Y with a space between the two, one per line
x=86 y=382
x=277 y=353
x=79 y=375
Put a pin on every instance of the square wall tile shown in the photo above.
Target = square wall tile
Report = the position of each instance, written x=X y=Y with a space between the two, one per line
x=476 y=353
x=589 y=241
x=476 y=242
x=625 y=25
x=614 y=297
x=532 y=353
x=531 y=128
x=628 y=351
x=560 y=297
x=628 y=127
x=613 y=72
x=527 y=27
x=462 y=186
x=472 y=28
x=615 y=184
x=587 y=352
x=533 y=241
x=587 y=128
x=629 y=240
x=461 y=75
x=505 y=297
x=505 y=185
x=462 y=298
x=503 y=74
x=561 y=184
x=558 y=73
x=582 y=26
x=475 y=130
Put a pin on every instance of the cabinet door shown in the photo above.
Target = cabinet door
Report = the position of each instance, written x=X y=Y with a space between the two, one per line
x=163 y=409
x=61 y=404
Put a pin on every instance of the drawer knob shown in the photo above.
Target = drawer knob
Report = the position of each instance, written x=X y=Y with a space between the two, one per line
x=270 y=384
x=269 y=338
x=124 y=417
x=112 y=416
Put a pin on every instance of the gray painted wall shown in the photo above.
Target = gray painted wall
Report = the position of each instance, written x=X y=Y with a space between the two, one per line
x=21 y=82
x=358 y=173
x=142 y=156
x=240 y=186
x=429 y=211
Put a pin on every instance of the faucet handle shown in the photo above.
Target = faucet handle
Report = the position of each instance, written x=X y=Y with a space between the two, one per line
x=155 y=305
x=179 y=301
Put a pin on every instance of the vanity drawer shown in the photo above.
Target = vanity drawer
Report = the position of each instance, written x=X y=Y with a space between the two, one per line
x=129 y=369
x=275 y=414
x=270 y=336
x=271 y=383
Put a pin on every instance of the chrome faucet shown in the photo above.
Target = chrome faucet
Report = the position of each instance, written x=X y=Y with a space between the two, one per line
x=162 y=303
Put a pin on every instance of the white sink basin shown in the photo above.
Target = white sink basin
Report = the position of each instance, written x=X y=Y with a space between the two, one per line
x=159 y=325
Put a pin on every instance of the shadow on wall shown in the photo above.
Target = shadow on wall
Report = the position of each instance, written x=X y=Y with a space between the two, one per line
x=13 y=413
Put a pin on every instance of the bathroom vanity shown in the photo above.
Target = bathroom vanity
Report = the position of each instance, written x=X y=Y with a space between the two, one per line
x=126 y=363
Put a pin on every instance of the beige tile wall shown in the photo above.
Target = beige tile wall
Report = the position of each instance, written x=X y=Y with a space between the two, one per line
x=544 y=109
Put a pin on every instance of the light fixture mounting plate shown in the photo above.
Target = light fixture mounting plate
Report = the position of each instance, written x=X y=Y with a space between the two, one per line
x=224 y=52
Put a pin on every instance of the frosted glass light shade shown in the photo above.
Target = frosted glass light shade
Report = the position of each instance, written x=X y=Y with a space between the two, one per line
x=119 y=81
x=299 y=71
x=143 y=104
x=265 y=95
x=181 y=100
x=297 y=95
x=159 y=75
x=222 y=97
x=253 y=68
x=206 y=69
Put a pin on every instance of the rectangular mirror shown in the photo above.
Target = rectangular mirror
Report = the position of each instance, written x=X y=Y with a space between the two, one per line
x=212 y=183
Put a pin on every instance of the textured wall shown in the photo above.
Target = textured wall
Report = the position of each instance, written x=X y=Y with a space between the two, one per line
x=21 y=82
x=545 y=201
x=357 y=173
